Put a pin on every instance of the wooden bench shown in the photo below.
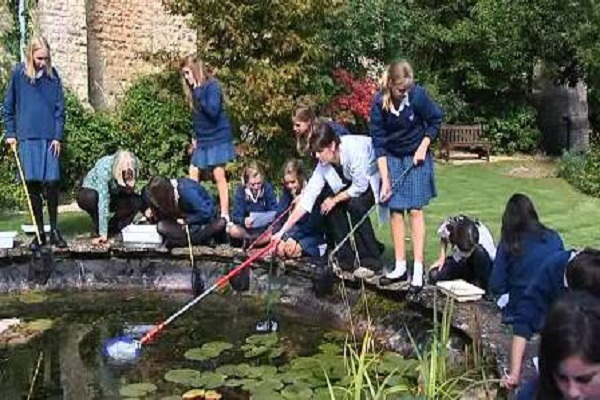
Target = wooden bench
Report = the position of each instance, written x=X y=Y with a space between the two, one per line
x=465 y=137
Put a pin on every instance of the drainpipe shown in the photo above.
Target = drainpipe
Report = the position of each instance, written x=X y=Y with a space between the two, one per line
x=22 y=29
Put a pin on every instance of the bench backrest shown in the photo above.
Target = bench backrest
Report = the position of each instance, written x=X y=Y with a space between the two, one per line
x=462 y=134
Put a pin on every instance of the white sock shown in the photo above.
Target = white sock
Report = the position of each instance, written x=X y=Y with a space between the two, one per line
x=399 y=270
x=417 y=276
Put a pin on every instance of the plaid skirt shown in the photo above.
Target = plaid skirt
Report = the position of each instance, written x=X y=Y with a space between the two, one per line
x=205 y=157
x=416 y=189
x=38 y=160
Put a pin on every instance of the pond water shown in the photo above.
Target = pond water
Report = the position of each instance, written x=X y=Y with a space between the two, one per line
x=72 y=366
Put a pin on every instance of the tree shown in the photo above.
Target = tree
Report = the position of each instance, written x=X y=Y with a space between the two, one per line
x=267 y=54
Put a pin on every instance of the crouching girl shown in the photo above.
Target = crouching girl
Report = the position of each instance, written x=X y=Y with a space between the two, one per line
x=307 y=236
x=175 y=203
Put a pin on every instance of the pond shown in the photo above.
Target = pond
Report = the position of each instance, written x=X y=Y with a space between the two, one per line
x=229 y=356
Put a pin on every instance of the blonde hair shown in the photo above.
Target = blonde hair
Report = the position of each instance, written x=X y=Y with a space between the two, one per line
x=295 y=167
x=399 y=71
x=251 y=170
x=37 y=43
x=304 y=113
x=198 y=71
x=125 y=162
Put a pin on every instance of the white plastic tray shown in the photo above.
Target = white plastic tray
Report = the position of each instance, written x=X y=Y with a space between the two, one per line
x=141 y=234
x=461 y=290
x=7 y=239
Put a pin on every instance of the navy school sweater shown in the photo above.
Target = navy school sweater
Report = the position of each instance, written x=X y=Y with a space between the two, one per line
x=34 y=110
x=195 y=203
x=243 y=206
x=309 y=231
x=210 y=120
x=545 y=287
x=401 y=135
x=512 y=274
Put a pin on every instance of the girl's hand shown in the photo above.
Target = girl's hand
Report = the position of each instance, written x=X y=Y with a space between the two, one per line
x=55 y=148
x=99 y=240
x=510 y=381
x=248 y=222
x=180 y=221
x=327 y=205
x=421 y=152
x=12 y=143
x=385 y=191
x=194 y=143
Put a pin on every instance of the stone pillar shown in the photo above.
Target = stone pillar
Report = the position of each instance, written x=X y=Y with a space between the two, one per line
x=120 y=33
x=64 y=24
x=562 y=116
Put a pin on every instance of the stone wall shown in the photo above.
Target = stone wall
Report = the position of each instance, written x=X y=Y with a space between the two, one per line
x=97 y=44
x=63 y=23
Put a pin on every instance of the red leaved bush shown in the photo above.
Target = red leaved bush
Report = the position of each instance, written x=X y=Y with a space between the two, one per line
x=352 y=107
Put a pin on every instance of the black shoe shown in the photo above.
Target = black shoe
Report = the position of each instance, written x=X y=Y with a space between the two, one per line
x=383 y=281
x=57 y=240
x=35 y=245
x=414 y=289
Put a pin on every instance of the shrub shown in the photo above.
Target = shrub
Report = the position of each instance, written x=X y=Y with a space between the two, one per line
x=582 y=170
x=514 y=130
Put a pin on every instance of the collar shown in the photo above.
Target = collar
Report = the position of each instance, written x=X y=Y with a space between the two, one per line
x=250 y=196
x=574 y=253
x=405 y=103
x=175 y=185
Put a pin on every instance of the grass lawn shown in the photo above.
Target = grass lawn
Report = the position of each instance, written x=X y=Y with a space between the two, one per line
x=480 y=190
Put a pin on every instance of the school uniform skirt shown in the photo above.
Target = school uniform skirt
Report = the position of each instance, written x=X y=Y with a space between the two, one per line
x=38 y=160
x=206 y=157
x=416 y=189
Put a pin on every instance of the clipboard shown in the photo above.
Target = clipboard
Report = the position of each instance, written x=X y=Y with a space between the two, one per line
x=260 y=219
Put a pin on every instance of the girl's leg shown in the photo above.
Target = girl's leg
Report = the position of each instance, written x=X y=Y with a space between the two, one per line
x=35 y=189
x=87 y=200
x=223 y=189
x=398 y=233
x=292 y=249
x=52 y=202
x=418 y=239
x=237 y=232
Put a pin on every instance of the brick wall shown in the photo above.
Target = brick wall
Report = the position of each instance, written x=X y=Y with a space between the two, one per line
x=96 y=44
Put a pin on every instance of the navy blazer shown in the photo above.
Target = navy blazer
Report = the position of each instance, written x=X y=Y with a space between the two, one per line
x=195 y=203
x=243 y=206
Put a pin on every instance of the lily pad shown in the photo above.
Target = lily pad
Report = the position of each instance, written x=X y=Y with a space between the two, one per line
x=171 y=398
x=194 y=394
x=265 y=395
x=299 y=392
x=211 y=380
x=276 y=352
x=32 y=297
x=238 y=382
x=137 y=389
x=252 y=352
x=188 y=377
x=212 y=395
x=330 y=348
x=267 y=340
x=262 y=371
x=402 y=366
x=302 y=363
x=207 y=351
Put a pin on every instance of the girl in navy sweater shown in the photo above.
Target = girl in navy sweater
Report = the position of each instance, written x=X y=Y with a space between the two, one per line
x=305 y=125
x=213 y=141
x=175 y=203
x=524 y=245
x=254 y=195
x=34 y=120
x=404 y=122
x=308 y=234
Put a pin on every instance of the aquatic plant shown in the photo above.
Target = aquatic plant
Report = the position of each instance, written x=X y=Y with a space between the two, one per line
x=137 y=389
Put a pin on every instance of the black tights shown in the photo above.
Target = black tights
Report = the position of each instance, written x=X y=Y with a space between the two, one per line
x=124 y=206
x=175 y=235
x=36 y=195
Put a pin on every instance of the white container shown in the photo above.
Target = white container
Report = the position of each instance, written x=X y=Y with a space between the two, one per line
x=141 y=234
x=30 y=229
x=7 y=239
x=461 y=290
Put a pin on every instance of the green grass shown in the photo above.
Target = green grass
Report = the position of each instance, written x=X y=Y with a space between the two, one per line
x=480 y=190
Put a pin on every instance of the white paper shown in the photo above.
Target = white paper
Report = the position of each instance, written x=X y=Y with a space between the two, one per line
x=502 y=300
x=260 y=219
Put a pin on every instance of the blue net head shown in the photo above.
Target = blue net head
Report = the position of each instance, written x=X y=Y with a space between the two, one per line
x=122 y=350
